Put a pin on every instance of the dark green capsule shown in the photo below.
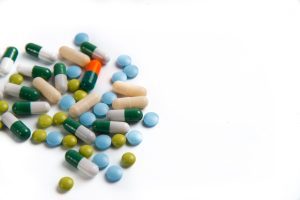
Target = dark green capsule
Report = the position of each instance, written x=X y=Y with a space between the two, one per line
x=43 y=72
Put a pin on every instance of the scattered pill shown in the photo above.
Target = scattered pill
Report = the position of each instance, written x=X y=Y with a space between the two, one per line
x=66 y=102
x=102 y=142
x=40 y=52
x=60 y=77
x=128 y=159
x=94 y=52
x=79 y=94
x=23 y=92
x=108 y=98
x=134 y=137
x=86 y=150
x=44 y=121
x=74 y=72
x=150 y=119
x=73 y=85
x=128 y=89
x=118 y=76
x=100 y=126
x=1 y=125
x=114 y=173
x=74 y=56
x=101 y=160
x=47 y=90
x=90 y=76
x=54 y=139
x=34 y=71
x=16 y=79
x=3 y=106
x=59 y=118
x=87 y=119
x=123 y=61
x=69 y=141
x=130 y=102
x=131 y=71
x=65 y=183
x=118 y=140
x=81 y=38
x=30 y=108
x=8 y=60
x=100 y=110
x=84 y=105
x=130 y=115
x=39 y=136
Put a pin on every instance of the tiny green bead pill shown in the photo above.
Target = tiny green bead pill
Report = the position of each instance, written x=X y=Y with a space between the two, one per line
x=1 y=125
x=59 y=118
x=69 y=141
x=39 y=136
x=86 y=150
x=128 y=159
x=79 y=94
x=3 y=106
x=16 y=78
x=118 y=140
x=44 y=121
x=73 y=85
x=66 y=183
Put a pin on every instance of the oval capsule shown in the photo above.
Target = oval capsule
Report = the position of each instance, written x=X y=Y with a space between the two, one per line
x=90 y=77
x=84 y=105
x=94 y=52
x=23 y=92
x=34 y=71
x=74 y=56
x=47 y=90
x=131 y=115
x=100 y=126
x=8 y=59
x=60 y=77
x=130 y=102
x=40 y=52
x=128 y=89
x=30 y=108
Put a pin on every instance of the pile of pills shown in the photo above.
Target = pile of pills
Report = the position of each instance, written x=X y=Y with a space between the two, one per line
x=99 y=122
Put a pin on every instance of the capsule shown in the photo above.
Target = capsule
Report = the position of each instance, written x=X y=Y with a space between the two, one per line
x=130 y=115
x=34 y=71
x=40 y=52
x=130 y=102
x=74 y=56
x=100 y=126
x=47 y=90
x=94 y=52
x=84 y=105
x=90 y=77
x=128 y=89
x=16 y=126
x=30 y=108
x=8 y=60
x=79 y=130
x=23 y=92
x=60 y=77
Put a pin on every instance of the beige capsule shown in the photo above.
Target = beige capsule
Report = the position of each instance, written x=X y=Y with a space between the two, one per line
x=47 y=90
x=130 y=102
x=74 y=56
x=84 y=104
x=128 y=89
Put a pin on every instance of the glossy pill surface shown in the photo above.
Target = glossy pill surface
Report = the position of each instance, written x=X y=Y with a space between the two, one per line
x=90 y=76
x=130 y=102
x=23 y=92
x=74 y=56
x=39 y=136
x=150 y=119
x=101 y=160
x=84 y=105
x=114 y=173
x=118 y=140
x=34 y=71
x=65 y=183
x=3 y=106
x=118 y=76
x=69 y=141
x=131 y=71
x=130 y=115
x=79 y=94
x=134 y=137
x=47 y=90
x=60 y=77
x=100 y=110
x=40 y=52
x=81 y=38
x=100 y=126
x=128 y=89
x=123 y=61
x=54 y=139
x=102 y=142
x=74 y=72
x=108 y=98
x=30 y=108
x=128 y=159
x=73 y=85
x=16 y=78
x=8 y=59
x=87 y=119
x=66 y=102
x=44 y=121
x=59 y=118
x=86 y=150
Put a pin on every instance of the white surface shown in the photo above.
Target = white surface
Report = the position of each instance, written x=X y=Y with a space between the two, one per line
x=224 y=77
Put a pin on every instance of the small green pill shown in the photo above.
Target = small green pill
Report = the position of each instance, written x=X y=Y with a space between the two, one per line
x=59 y=118
x=79 y=94
x=44 y=121
x=69 y=141
x=3 y=106
x=86 y=150
x=73 y=85
x=39 y=136
x=16 y=79
x=66 y=183
x=118 y=140
x=128 y=159
x=1 y=125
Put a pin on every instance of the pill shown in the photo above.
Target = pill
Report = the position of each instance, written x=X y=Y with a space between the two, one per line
x=60 y=77
x=87 y=119
x=47 y=90
x=40 y=52
x=79 y=130
x=79 y=94
x=128 y=159
x=8 y=59
x=16 y=79
x=100 y=110
x=39 y=136
x=74 y=72
x=65 y=183
x=3 y=106
x=130 y=102
x=30 y=108
x=73 y=85
x=94 y=52
x=54 y=139
x=123 y=61
x=102 y=142
x=23 y=92
x=86 y=150
x=66 y=102
x=69 y=141
x=90 y=76
x=118 y=140
x=101 y=160
x=59 y=118
x=81 y=38
x=34 y=71
x=108 y=98
x=44 y=121
x=128 y=89
x=131 y=71
x=150 y=119
x=134 y=137
x=81 y=163
x=130 y=115
x=84 y=105
x=74 y=56
x=118 y=76
x=16 y=126
x=114 y=173
x=100 y=126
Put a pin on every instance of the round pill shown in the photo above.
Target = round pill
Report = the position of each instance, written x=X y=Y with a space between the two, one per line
x=100 y=110
x=69 y=141
x=102 y=142
x=118 y=76
x=118 y=140
x=81 y=38
x=73 y=72
x=114 y=173
x=66 y=102
x=131 y=71
x=123 y=61
x=44 y=121
x=108 y=98
x=39 y=136
x=59 y=118
x=134 y=137
x=128 y=159
x=150 y=119
x=73 y=85
x=3 y=106
x=54 y=139
x=87 y=119
x=66 y=183
x=79 y=94
x=101 y=160
x=16 y=79
x=1 y=125
x=86 y=150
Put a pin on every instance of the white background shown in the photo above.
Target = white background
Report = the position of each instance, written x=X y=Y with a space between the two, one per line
x=224 y=77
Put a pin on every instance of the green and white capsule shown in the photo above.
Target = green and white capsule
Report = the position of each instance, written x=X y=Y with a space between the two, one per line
x=35 y=71
x=17 y=127
x=8 y=60
x=79 y=130
x=81 y=163
x=94 y=52
x=40 y=52
x=23 y=92
x=110 y=127
x=130 y=115
x=30 y=108
x=60 y=77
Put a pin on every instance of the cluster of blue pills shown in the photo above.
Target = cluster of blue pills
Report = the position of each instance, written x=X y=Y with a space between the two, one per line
x=129 y=71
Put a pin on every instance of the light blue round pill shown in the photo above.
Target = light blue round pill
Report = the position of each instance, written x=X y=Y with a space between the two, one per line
x=54 y=139
x=101 y=160
x=102 y=142
x=100 y=110
x=87 y=119
x=150 y=119
x=118 y=76
x=66 y=102
x=81 y=38
x=108 y=98
x=114 y=173
x=123 y=61
x=74 y=72
x=134 y=137
x=131 y=71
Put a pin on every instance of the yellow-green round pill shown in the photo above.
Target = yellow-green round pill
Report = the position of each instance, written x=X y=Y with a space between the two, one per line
x=118 y=140
x=16 y=79
x=39 y=136
x=44 y=121
x=73 y=85
x=128 y=159
x=3 y=106
x=69 y=141
x=86 y=150
x=79 y=94
x=59 y=118
x=66 y=183
x=1 y=125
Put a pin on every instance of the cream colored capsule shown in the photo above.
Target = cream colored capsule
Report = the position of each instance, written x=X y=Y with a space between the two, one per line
x=84 y=105
x=74 y=56
x=47 y=90
x=128 y=89
x=130 y=102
